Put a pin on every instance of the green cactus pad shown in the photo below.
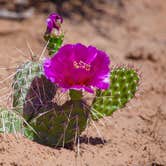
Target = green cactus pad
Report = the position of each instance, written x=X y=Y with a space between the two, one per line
x=22 y=81
x=124 y=84
x=55 y=125
x=60 y=125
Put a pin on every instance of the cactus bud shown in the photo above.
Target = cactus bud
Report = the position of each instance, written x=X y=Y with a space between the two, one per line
x=54 y=35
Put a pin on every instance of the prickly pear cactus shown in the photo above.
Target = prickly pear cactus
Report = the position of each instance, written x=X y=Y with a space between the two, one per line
x=74 y=67
x=55 y=125
x=60 y=125
x=124 y=83
x=22 y=81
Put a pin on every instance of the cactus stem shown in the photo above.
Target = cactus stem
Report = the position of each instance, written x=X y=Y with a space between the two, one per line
x=75 y=95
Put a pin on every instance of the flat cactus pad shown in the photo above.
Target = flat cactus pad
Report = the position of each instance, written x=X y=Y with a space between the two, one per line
x=61 y=124
x=124 y=84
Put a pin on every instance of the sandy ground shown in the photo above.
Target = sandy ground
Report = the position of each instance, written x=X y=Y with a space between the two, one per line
x=131 y=32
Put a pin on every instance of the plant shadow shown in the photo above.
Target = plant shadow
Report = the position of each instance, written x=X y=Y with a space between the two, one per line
x=92 y=140
x=85 y=140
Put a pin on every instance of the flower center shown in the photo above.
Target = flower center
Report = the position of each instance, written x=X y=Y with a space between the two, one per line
x=82 y=65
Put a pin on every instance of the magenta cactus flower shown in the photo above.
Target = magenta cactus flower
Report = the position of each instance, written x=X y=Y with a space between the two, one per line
x=79 y=67
x=53 y=22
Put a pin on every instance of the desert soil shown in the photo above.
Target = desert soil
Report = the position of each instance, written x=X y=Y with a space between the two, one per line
x=131 y=32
